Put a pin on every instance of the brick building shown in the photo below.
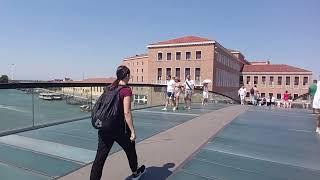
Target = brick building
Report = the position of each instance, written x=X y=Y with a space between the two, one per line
x=275 y=79
x=198 y=57
x=203 y=58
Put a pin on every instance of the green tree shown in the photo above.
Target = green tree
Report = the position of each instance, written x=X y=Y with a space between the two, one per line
x=4 y=79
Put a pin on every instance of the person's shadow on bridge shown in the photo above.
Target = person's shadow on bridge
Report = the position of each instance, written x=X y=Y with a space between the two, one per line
x=157 y=173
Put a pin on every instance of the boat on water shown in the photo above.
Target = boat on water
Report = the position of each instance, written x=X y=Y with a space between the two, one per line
x=85 y=108
x=50 y=96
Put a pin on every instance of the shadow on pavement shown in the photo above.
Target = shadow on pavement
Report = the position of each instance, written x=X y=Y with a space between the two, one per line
x=157 y=173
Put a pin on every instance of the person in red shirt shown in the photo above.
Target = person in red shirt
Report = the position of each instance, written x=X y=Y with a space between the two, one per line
x=286 y=99
x=124 y=135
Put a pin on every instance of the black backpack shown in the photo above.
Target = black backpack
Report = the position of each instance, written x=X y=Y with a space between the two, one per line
x=107 y=110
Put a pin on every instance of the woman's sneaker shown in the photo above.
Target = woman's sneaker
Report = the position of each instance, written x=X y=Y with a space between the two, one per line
x=141 y=170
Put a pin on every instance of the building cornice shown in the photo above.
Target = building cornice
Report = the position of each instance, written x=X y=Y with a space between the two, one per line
x=181 y=44
x=276 y=73
x=135 y=58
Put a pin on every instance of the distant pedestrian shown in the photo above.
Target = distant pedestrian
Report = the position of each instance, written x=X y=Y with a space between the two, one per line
x=189 y=90
x=170 y=93
x=290 y=100
x=177 y=92
x=122 y=131
x=205 y=94
x=286 y=99
x=264 y=102
x=242 y=93
x=254 y=95
x=316 y=105
x=312 y=92
x=271 y=101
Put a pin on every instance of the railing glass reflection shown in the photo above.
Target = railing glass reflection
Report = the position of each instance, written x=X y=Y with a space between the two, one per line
x=33 y=107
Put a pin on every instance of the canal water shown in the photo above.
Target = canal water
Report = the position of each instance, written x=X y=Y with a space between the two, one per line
x=19 y=110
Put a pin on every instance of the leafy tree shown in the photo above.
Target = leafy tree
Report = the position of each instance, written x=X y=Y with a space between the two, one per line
x=4 y=79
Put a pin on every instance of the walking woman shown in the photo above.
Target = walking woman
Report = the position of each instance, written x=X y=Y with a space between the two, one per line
x=177 y=92
x=124 y=135
x=316 y=106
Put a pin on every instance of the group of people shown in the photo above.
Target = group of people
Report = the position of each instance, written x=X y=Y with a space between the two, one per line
x=256 y=99
x=175 y=89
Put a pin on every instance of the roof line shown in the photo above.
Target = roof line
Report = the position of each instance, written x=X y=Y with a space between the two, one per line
x=181 y=44
x=135 y=57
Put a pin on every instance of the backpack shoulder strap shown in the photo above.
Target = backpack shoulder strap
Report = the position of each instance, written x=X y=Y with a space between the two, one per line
x=188 y=85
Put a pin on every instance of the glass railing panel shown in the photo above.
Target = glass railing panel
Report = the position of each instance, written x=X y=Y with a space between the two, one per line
x=147 y=96
x=15 y=109
x=31 y=107
x=217 y=98
x=61 y=104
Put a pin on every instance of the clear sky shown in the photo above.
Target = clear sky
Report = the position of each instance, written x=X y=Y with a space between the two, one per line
x=48 y=39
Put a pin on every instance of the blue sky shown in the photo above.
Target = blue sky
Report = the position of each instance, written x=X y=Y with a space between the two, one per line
x=48 y=39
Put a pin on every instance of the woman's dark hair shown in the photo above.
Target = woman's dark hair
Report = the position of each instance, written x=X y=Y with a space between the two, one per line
x=122 y=73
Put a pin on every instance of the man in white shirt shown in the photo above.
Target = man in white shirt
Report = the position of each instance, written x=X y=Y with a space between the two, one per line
x=189 y=90
x=242 y=93
x=170 y=93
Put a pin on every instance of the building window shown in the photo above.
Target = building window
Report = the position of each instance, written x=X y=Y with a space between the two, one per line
x=141 y=78
x=137 y=78
x=142 y=70
x=168 y=72
x=198 y=54
x=142 y=62
x=278 y=96
x=270 y=94
x=248 y=79
x=178 y=55
x=305 y=80
x=263 y=80
x=137 y=63
x=197 y=74
x=159 y=73
x=137 y=70
x=295 y=96
x=255 y=80
x=241 y=80
x=271 y=80
x=178 y=73
x=279 y=80
x=287 y=80
x=159 y=56
x=188 y=55
x=187 y=72
x=296 y=81
x=168 y=56
x=263 y=95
